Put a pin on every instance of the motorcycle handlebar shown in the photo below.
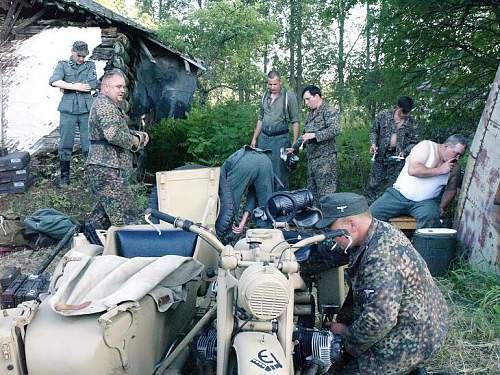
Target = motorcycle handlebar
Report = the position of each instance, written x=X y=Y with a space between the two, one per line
x=320 y=238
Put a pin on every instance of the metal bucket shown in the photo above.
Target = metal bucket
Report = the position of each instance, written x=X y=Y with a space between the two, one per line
x=438 y=248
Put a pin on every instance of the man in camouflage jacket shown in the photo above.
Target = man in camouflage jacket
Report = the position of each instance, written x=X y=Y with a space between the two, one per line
x=392 y=136
x=320 y=130
x=109 y=162
x=398 y=315
x=76 y=78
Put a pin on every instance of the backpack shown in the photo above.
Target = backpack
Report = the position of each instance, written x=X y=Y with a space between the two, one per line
x=50 y=222
x=11 y=232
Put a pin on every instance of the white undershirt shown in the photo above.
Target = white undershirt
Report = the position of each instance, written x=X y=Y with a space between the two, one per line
x=421 y=188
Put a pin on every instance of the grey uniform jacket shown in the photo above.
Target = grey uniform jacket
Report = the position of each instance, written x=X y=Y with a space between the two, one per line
x=75 y=102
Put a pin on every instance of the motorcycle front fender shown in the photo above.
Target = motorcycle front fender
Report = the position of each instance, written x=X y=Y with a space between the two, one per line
x=259 y=353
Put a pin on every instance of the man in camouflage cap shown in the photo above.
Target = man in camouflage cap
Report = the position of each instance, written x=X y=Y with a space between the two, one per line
x=109 y=162
x=76 y=78
x=397 y=317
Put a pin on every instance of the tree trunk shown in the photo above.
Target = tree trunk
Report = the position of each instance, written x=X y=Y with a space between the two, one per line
x=341 y=62
x=298 y=40
x=291 y=42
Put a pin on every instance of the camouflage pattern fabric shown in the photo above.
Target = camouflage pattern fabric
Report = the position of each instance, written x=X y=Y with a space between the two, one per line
x=382 y=129
x=114 y=201
x=382 y=174
x=322 y=151
x=110 y=138
x=398 y=313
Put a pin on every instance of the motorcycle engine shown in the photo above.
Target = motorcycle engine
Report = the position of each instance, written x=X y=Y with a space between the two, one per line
x=263 y=291
x=321 y=348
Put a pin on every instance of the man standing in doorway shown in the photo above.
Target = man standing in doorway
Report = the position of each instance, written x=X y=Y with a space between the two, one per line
x=76 y=78
x=278 y=109
x=393 y=134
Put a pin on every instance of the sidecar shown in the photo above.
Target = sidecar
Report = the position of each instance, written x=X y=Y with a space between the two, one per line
x=118 y=308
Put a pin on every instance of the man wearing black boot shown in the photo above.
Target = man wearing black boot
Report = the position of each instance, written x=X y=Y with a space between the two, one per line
x=76 y=78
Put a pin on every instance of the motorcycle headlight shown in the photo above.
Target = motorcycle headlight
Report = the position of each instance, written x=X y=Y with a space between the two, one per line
x=263 y=292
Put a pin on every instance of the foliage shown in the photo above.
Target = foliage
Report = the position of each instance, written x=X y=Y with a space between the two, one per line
x=445 y=54
x=227 y=36
x=166 y=149
x=207 y=136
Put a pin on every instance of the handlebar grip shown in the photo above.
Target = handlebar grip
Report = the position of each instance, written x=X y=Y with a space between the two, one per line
x=335 y=234
x=161 y=216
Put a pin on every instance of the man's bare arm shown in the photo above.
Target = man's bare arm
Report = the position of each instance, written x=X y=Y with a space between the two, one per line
x=446 y=199
x=75 y=86
x=295 y=132
x=256 y=133
x=416 y=162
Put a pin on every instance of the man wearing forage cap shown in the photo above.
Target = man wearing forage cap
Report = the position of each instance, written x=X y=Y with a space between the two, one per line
x=76 y=78
x=394 y=316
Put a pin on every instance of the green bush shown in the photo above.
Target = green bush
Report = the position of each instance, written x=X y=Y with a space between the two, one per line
x=207 y=136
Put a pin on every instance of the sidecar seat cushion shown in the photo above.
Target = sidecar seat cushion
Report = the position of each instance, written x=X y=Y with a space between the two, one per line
x=147 y=243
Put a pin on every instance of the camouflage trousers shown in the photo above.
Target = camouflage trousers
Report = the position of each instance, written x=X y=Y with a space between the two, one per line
x=382 y=174
x=322 y=176
x=114 y=202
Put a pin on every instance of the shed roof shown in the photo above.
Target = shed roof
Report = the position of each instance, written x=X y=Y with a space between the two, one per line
x=114 y=18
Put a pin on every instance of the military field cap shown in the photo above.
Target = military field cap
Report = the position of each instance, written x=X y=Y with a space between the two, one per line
x=337 y=205
x=81 y=47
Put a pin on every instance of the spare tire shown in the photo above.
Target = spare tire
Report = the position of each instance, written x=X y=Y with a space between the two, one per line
x=226 y=209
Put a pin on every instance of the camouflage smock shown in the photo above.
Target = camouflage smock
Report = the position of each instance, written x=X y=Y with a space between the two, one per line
x=382 y=129
x=325 y=123
x=399 y=314
x=110 y=138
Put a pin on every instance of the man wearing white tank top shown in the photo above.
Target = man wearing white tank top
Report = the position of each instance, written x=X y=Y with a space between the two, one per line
x=428 y=169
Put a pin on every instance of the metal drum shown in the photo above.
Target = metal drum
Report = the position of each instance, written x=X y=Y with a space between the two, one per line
x=438 y=248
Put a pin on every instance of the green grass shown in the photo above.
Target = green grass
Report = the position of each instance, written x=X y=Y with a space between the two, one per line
x=473 y=342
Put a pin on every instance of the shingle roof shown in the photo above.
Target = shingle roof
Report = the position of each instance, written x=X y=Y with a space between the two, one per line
x=102 y=11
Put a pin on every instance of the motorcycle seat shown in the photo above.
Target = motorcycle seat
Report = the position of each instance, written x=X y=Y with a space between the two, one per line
x=148 y=243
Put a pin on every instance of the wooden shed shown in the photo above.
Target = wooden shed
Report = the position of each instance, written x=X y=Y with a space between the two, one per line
x=37 y=34
x=478 y=211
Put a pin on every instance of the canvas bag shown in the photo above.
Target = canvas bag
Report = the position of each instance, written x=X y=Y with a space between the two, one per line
x=50 y=222
x=11 y=232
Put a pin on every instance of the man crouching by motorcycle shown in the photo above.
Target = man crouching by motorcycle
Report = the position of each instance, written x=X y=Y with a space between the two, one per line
x=394 y=317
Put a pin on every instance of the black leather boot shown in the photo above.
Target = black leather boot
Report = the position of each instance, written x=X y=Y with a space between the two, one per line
x=64 y=178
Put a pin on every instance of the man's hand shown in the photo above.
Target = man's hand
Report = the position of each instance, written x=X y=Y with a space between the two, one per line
x=290 y=150
x=338 y=328
x=146 y=138
x=253 y=143
x=447 y=166
x=373 y=149
x=308 y=136
x=78 y=86
x=238 y=229
x=441 y=211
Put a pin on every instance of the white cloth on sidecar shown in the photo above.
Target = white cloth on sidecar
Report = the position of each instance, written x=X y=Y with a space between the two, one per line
x=90 y=284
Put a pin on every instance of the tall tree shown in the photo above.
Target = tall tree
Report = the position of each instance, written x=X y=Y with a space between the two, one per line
x=228 y=38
